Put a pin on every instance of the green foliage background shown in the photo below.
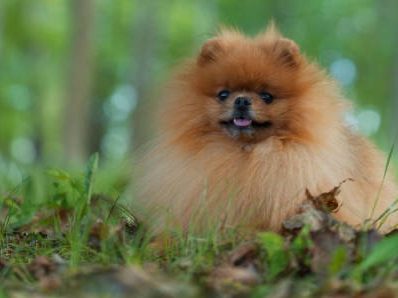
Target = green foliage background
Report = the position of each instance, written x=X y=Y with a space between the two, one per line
x=35 y=57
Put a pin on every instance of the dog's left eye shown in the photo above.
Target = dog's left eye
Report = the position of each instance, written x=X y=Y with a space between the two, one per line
x=267 y=97
x=223 y=95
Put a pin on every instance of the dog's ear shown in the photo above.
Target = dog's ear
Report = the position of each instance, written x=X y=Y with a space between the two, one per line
x=210 y=51
x=287 y=51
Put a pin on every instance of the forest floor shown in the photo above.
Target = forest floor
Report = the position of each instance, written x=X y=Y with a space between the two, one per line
x=69 y=240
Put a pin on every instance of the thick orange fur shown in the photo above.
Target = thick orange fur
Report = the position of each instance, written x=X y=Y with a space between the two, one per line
x=197 y=175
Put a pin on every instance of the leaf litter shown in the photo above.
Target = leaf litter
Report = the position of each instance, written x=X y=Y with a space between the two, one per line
x=313 y=256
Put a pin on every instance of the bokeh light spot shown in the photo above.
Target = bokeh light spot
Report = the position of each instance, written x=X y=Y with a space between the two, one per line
x=344 y=70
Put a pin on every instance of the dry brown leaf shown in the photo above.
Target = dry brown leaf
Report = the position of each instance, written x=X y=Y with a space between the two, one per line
x=46 y=271
x=50 y=283
x=98 y=232
x=327 y=201
x=237 y=273
x=226 y=274
x=325 y=244
x=244 y=255
x=308 y=215
x=3 y=264
x=42 y=266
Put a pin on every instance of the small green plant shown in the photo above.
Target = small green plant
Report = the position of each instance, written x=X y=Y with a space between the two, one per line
x=277 y=257
x=382 y=254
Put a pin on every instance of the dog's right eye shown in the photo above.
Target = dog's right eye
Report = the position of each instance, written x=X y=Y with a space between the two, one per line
x=223 y=95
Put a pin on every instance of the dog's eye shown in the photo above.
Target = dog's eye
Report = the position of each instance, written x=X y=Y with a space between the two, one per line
x=267 y=97
x=223 y=95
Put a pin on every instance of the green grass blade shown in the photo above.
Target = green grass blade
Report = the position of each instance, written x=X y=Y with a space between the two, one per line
x=383 y=252
x=390 y=154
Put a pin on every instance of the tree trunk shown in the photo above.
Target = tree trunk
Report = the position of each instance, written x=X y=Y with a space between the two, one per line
x=76 y=119
x=145 y=40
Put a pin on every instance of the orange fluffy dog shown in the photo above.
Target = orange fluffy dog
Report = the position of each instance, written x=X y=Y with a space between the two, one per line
x=247 y=127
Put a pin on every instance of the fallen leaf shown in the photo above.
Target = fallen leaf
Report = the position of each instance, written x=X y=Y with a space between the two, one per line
x=3 y=264
x=98 y=232
x=225 y=275
x=325 y=244
x=327 y=201
x=307 y=215
x=50 y=283
x=42 y=266
x=244 y=255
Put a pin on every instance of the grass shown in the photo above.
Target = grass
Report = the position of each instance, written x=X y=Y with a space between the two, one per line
x=57 y=227
x=386 y=169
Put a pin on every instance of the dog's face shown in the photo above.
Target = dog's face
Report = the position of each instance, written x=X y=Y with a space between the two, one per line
x=251 y=85
x=246 y=89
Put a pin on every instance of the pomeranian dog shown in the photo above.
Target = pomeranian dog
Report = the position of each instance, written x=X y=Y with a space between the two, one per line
x=245 y=128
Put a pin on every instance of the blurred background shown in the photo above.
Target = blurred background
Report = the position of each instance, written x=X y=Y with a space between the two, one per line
x=81 y=76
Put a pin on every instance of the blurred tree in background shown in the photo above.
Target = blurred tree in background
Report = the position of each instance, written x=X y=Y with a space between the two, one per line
x=82 y=76
x=78 y=94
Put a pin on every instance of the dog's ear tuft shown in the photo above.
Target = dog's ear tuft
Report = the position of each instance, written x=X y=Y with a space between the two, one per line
x=210 y=51
x=287 y=51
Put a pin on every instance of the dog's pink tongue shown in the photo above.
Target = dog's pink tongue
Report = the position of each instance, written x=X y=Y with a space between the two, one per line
x=242 y=122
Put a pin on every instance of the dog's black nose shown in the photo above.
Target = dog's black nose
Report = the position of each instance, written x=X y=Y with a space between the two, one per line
x=242 y=103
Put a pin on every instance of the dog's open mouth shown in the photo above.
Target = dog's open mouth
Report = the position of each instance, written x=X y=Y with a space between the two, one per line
x=242 y=122
x=245 y=123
